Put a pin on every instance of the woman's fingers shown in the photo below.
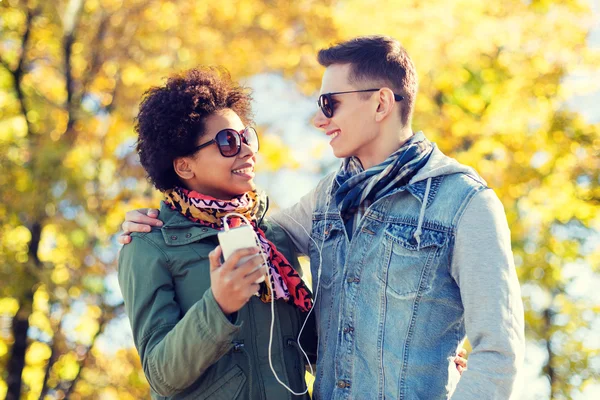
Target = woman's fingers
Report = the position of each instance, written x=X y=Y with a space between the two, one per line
x=214 y=258
x=233 y=262
x=252 y=289
x=257 y=275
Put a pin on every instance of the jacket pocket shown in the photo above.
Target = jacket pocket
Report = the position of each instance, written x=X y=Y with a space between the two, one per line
x=227 y=387
x=326 y=234
x=408 y=262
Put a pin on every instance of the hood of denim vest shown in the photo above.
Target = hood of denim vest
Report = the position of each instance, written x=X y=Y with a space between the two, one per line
x=440 y=164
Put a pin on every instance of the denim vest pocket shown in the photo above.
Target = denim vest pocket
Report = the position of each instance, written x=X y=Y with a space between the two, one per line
x=406 y=268
x=326 y=235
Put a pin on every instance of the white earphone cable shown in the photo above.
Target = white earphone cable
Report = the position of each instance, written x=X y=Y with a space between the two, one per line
x=266 y=263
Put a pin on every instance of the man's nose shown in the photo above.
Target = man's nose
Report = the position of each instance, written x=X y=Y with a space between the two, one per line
x=320 y=121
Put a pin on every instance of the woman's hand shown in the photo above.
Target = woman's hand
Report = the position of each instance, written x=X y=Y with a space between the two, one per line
x=461 y=361
x=232 y=284
x=140 y=220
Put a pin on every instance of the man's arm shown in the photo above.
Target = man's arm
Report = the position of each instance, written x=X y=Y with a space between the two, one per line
x=483 y=268
x=296 y=221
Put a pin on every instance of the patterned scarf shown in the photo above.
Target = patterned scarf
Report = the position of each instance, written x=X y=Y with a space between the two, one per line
x=358 y=188
x=208 y=211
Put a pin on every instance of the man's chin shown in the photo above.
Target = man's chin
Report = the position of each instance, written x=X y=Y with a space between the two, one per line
x=341 y=153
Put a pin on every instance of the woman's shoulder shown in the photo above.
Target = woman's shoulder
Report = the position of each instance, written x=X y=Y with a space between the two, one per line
x=152 y=239
x=272 y=230
x=150 y=244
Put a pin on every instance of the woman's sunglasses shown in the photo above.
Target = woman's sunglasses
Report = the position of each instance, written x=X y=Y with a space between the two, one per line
x=326 y=102
x=229 y=141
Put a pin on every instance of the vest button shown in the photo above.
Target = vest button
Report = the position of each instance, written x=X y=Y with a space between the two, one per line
x=173 y=237
x=341 y=384
x=188 y=235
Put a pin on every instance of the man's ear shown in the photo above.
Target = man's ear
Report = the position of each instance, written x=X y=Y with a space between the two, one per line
x=182 y=168
x=387 y=103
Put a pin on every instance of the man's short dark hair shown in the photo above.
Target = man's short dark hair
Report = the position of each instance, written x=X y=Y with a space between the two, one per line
x=377 y=60
x=172 y=118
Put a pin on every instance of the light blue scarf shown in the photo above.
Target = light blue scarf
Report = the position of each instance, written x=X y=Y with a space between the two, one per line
x=359 y=188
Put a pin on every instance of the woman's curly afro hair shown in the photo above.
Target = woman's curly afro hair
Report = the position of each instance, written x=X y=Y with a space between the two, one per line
x=172 y=116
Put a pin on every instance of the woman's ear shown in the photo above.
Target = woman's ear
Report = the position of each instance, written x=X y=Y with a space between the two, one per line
x=386 y=104
x=182 y=168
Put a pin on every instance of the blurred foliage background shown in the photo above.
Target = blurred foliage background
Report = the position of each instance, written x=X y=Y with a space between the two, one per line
x=497 y=81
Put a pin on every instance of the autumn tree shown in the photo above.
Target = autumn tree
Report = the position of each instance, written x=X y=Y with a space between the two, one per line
x=71 y=75
x=494 y=85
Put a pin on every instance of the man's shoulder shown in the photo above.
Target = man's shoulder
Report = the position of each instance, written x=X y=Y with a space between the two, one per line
x=325 y=184
x=465 y=180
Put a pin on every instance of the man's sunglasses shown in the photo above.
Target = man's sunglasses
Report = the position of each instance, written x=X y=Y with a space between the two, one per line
x=229 y=141
x=326 y=102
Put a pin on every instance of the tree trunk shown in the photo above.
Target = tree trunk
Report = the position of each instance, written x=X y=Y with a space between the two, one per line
x=16 y=363
x=20 y=324
x=548 y=316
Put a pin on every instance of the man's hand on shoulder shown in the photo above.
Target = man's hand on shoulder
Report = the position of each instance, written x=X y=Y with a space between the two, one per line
x=140 y=220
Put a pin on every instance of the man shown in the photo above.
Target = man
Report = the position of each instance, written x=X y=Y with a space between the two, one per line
x=410 y=250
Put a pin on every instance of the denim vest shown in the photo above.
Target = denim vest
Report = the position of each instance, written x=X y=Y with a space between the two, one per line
x=389 y=313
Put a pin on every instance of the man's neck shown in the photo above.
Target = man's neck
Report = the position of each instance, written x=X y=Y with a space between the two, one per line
x=388 y=142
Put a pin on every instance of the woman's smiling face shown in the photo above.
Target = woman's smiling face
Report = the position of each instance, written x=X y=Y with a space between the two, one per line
x=208 y=172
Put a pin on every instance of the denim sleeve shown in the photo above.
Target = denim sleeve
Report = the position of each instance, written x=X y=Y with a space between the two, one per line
x=483 y=268
x=296 y=221
x=175 y=348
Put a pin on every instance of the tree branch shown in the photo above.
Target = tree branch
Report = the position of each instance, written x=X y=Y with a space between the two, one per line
x=5 y=65
x=548 y=323
x=18 y=72
x=52 y=360
x=73 y=15
x=95 y=62
x=104 y=319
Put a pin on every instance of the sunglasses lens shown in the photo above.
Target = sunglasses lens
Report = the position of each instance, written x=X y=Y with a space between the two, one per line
x=250 y=138
x=325 y=104
x=229 y=142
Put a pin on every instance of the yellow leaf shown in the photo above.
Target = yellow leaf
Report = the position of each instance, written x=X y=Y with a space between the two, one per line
x=8 y=306
x=37 y=353
x=60 y=275
x=3 y=348
x=69 y=367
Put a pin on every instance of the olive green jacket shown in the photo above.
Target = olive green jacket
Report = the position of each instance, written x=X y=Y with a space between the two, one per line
x=189 y=349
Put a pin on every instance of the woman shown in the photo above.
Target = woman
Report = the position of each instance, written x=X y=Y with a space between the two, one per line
x=198 y=326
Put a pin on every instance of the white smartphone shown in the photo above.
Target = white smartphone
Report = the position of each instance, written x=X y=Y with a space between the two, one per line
x=241 y=237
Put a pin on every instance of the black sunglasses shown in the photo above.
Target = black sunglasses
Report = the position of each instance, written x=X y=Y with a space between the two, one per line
x=229 y=141
x=326 y=102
